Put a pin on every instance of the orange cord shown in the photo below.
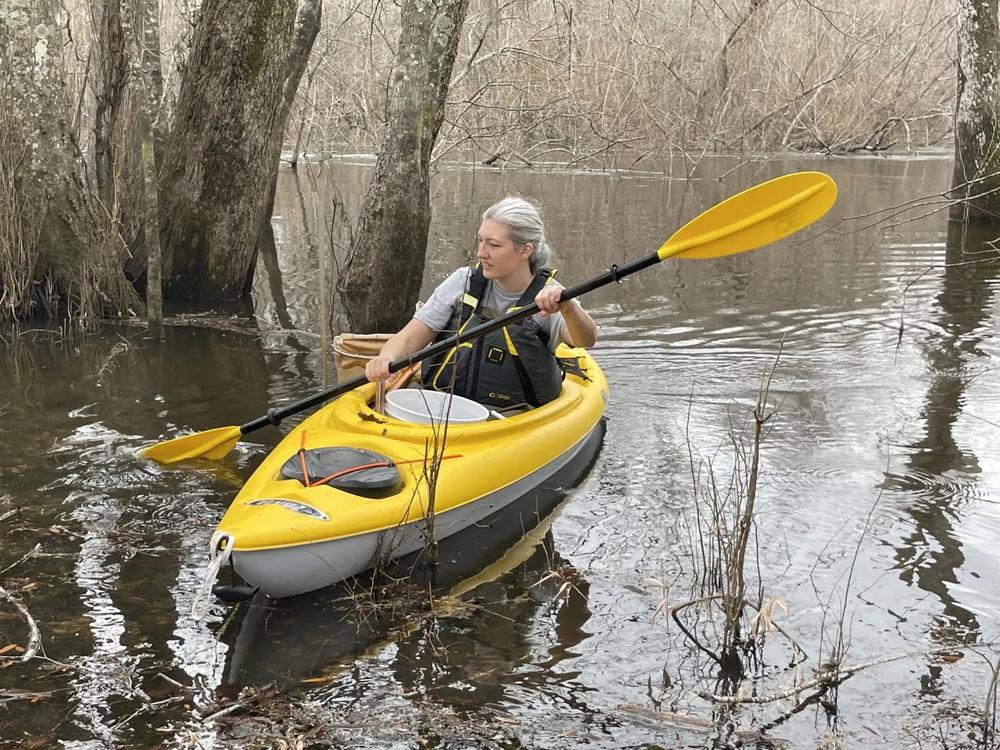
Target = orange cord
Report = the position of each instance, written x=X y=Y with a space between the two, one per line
x=375 y=465
x=302 y=460
x=350 y=469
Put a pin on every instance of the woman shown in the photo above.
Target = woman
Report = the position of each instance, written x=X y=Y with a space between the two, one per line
x=515 y=365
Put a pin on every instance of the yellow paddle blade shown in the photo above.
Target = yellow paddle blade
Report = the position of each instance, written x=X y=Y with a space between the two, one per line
x=208 y=444
x=757 y=216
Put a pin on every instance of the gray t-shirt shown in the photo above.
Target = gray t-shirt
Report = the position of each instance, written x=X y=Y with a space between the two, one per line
x=436 y=311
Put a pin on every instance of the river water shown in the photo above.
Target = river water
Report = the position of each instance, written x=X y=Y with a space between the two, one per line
x=876 y=507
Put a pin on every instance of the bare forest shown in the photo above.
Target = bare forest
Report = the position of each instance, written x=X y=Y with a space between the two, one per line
x=617 y=83
x=124 y=131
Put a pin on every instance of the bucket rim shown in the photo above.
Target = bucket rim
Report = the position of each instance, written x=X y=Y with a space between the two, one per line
x=422 y=406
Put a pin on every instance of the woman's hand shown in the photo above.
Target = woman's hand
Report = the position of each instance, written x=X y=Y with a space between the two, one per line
x=548 y=299
x=377 y=368
x=580 y=329
x=413 y=336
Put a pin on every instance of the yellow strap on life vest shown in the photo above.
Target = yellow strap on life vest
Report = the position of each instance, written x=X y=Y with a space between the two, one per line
x=465 y=324
x=468 y=299
x=510 y=343
x=548 y=280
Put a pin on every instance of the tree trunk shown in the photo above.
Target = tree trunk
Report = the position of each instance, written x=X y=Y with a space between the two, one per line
x=976 y=180
x=142 y=34
x=111 y=76
x=57 y=247
x=148 y=86
x=715 y=91
x=307 y=23
x=154 y=281
x=218 y=168
x=380 y=287
x=124 y=66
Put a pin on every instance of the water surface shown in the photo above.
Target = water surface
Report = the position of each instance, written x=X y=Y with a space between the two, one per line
x=876 y=507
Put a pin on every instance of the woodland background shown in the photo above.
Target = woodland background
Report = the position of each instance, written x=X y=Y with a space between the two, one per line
x=123 y=115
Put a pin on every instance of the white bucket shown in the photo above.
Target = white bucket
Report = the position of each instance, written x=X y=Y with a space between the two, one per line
x=413 y=405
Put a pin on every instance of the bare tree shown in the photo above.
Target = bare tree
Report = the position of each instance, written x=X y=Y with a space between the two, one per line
x=219 y=166
x=605 y=83
x=142 y=45
x=307 y=25
x=58 y=251
x=977 y=113
x=383 y=279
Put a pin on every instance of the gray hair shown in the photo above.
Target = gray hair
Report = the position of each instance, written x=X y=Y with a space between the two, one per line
x=524 y=223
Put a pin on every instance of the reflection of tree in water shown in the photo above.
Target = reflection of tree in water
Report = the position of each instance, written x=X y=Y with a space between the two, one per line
x=122 y=561
x=939 y=469
x=474 y=656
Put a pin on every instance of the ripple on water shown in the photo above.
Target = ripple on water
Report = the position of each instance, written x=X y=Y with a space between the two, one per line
x=104 y=481
x=918 y=486
x=738 y=353
x=976 y=586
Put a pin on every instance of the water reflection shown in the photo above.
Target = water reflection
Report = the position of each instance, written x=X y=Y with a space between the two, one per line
x=123 y=541
x=271 y=272
x=473 y=658
x=105 y=672
x=941 y=474
x=197 y=652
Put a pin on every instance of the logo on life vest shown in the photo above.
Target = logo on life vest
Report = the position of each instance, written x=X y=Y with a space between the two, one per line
x=495 y=355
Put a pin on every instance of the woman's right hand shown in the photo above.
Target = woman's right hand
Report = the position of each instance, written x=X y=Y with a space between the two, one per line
x=377 y=368
x=415 y=335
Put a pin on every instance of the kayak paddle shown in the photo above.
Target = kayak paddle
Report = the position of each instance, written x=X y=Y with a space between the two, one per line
x=755 y=217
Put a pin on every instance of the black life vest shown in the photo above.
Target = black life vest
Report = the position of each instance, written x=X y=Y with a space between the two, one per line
x=507 y=367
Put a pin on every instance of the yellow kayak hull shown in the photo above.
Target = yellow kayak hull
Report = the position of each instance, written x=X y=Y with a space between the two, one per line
x=286 y=538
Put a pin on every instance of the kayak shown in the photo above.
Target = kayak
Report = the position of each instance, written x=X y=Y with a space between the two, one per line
x=351 y=488
x=322 y=631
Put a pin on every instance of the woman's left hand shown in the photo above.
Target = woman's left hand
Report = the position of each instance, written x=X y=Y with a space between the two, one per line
x=548 y=299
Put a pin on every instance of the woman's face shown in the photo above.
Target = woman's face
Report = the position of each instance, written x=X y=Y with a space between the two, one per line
x=497 y=253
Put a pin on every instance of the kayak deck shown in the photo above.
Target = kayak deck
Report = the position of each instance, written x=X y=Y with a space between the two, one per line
x=287 y=537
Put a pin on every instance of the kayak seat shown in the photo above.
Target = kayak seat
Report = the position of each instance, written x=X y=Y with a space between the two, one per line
x=573 y=366
x=353 y=470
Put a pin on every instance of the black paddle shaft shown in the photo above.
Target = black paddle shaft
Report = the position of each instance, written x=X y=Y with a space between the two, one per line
x=615 y=273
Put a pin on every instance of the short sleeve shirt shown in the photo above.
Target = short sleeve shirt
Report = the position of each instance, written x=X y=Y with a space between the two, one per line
x=436 y=311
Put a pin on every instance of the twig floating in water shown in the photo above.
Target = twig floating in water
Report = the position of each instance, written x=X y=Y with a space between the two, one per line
x=34 y=637
x=34 y=551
